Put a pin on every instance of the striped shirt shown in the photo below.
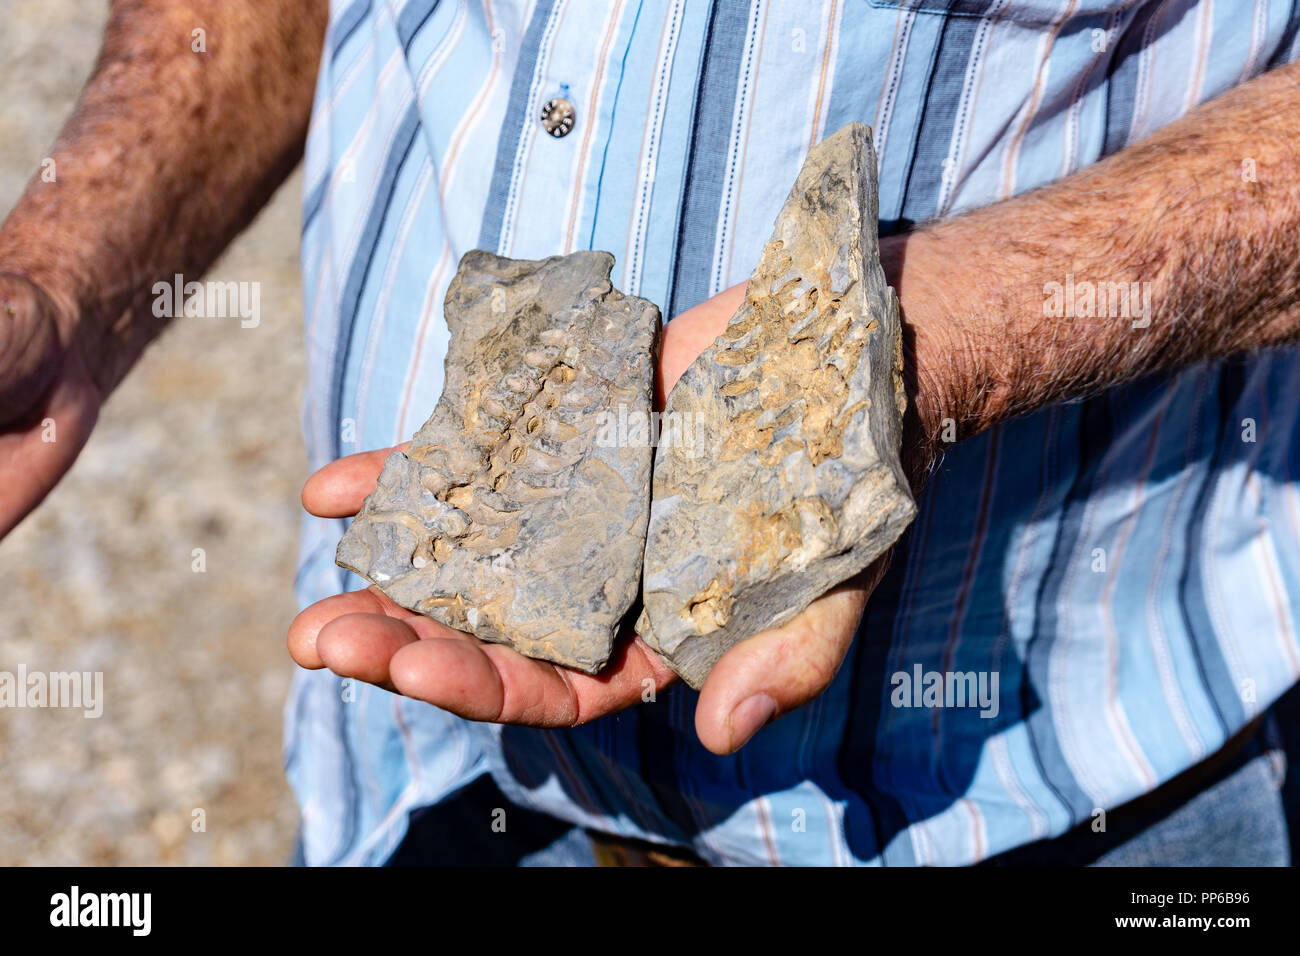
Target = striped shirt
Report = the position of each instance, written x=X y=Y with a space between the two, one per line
x=1124 y=565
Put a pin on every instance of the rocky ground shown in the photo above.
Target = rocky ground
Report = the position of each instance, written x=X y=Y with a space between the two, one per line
x=198 y=449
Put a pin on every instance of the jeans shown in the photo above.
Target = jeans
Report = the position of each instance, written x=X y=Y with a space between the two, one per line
x=1237 y=820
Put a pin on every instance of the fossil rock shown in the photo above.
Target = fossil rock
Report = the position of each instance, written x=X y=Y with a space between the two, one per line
x=793 y=482
x=513 y=515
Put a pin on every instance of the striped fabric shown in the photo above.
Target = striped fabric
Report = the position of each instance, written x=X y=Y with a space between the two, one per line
x=1125 y=565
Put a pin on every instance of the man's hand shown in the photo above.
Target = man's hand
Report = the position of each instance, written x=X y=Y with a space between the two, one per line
x=366 y=636
x=1218 y=252
x=48 y=400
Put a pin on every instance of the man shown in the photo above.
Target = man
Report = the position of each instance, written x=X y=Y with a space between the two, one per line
x=1084 y=201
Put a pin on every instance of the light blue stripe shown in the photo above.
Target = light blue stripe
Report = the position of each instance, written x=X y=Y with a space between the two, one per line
x=703 y=192
x=517 y=115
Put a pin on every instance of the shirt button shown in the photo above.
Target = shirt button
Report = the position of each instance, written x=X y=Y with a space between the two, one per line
x=558 y=116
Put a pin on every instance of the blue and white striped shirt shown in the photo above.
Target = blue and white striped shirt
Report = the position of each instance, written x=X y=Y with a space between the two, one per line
x=1126 y=564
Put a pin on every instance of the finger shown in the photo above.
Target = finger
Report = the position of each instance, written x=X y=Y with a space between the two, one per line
x=306 y=627
x=338 y=489
x=495 y=683
x=32 y=461
x=29 y=342
x=362 y=645
x=774 y=672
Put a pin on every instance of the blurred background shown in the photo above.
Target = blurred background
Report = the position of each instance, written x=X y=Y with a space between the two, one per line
x=199 y=448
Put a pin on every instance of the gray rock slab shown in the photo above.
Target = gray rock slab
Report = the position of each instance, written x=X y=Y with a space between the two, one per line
x=518 y=514
x=791 y=481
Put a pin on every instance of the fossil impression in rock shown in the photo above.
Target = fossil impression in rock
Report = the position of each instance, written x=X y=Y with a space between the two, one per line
x=793 y=481
x=513 y=515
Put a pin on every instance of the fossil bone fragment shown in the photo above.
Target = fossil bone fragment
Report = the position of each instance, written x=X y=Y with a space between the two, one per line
x=794 y=481
x=513 y=515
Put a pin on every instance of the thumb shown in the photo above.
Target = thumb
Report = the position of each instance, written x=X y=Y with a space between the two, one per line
x=30 y=351
x=777 y=671
x=34 y=459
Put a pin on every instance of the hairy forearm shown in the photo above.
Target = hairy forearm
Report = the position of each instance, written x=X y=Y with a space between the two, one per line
x=1199 y=223
x=170 y=152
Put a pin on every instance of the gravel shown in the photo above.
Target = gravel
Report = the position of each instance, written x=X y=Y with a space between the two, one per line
x=199 y=449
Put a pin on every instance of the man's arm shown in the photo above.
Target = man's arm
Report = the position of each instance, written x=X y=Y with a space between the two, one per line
x=1200 y=222
x=171 y=151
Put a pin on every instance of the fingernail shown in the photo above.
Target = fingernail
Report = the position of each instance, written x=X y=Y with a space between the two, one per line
x=749 y=717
